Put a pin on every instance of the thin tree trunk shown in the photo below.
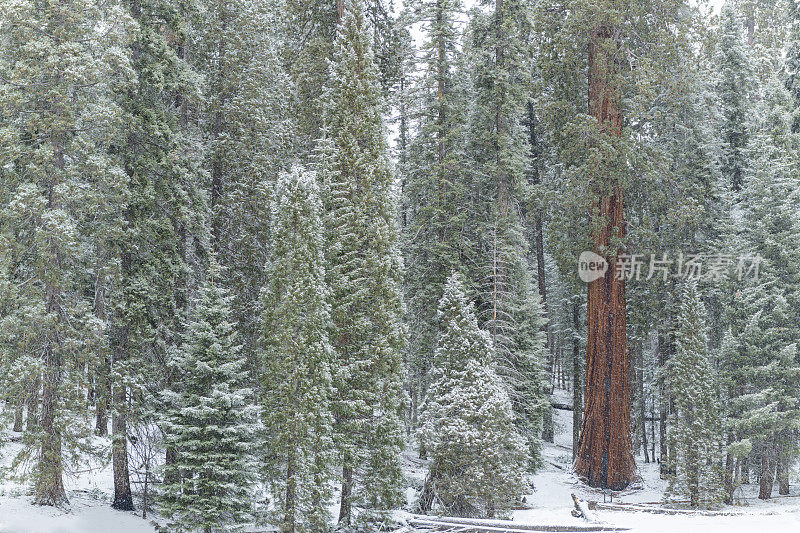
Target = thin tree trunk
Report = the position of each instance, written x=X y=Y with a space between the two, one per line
x=548 y=426
x=653 y=429
x=181 y=293
x=502 y=178
x=290 y=519
x=18 y=412
x=576 y=376
x=783 y=469
x=103 y=397
x=693 y=477
x=605 y=458
x=144 y=491
x=345 y=507
x=767 y=469
x=217 y=168
x=642 y=400
x=662 y=408
x=170 y=456
x=123 y=499
x=32 y=397
x=745 y=470
x=729 y=468
x=102 y=381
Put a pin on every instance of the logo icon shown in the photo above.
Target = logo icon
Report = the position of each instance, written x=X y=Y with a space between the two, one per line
x=591 y=267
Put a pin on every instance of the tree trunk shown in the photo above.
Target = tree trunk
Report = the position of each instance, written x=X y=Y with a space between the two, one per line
x=218 y=127
x=144 y=491
x=103 y=397
x=729 y=484
x=653 y=429
x=502 y=180
x=642 y=400
x=693 y=476
x=290 y=518
x=548 y=426
x=745 y=470
x=783 y=471
x=170 y=456
x=767 y=469
x=576 y=376
x=662 y=408
x=123 y=500
x=605 y=458
x=101 y=378
x=18 y=412
x=535 y=179
x=49 y=484
x=347 y=492
x=32 y=402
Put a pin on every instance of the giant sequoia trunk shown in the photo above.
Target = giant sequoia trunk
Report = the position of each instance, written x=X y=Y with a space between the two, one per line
x=605 y=456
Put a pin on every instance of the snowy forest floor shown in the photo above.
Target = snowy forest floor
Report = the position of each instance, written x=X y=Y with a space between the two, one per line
x=90 y=494
x=551 y=502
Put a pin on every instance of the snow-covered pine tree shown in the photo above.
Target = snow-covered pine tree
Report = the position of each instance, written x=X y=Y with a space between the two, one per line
x=364 y=272
x=530 y=400
x=729 y=357
x=250 y=138
x=478 y=459
x=791 y=66
x=499 y=153
x=60 y=66
x=734 y=86
x=766 y=402
x=695 y=426
x=211 y=422
x=433 y=191
x=296 y=358
x=164 y=218
x=767 y=405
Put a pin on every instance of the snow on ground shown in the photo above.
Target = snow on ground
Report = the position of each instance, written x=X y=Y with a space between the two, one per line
x=89 y=510
x=552 y=504
x=90 y=490
x=86 y=514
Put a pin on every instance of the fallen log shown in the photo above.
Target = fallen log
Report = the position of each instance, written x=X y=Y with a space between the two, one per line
x=582 y=509
x=479 y=525
x=645 y=508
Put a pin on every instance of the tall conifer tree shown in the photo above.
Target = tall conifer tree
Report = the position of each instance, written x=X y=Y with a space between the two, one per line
x=695 y=431
x=364 y=273
x=478 y=458
x=211 y=422
x=297 y=357
x=62 y=194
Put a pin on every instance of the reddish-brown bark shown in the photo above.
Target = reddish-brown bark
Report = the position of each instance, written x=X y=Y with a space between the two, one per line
x=605 y=455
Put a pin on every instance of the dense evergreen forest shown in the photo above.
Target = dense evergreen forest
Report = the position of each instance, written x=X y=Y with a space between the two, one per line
x=260 y=256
